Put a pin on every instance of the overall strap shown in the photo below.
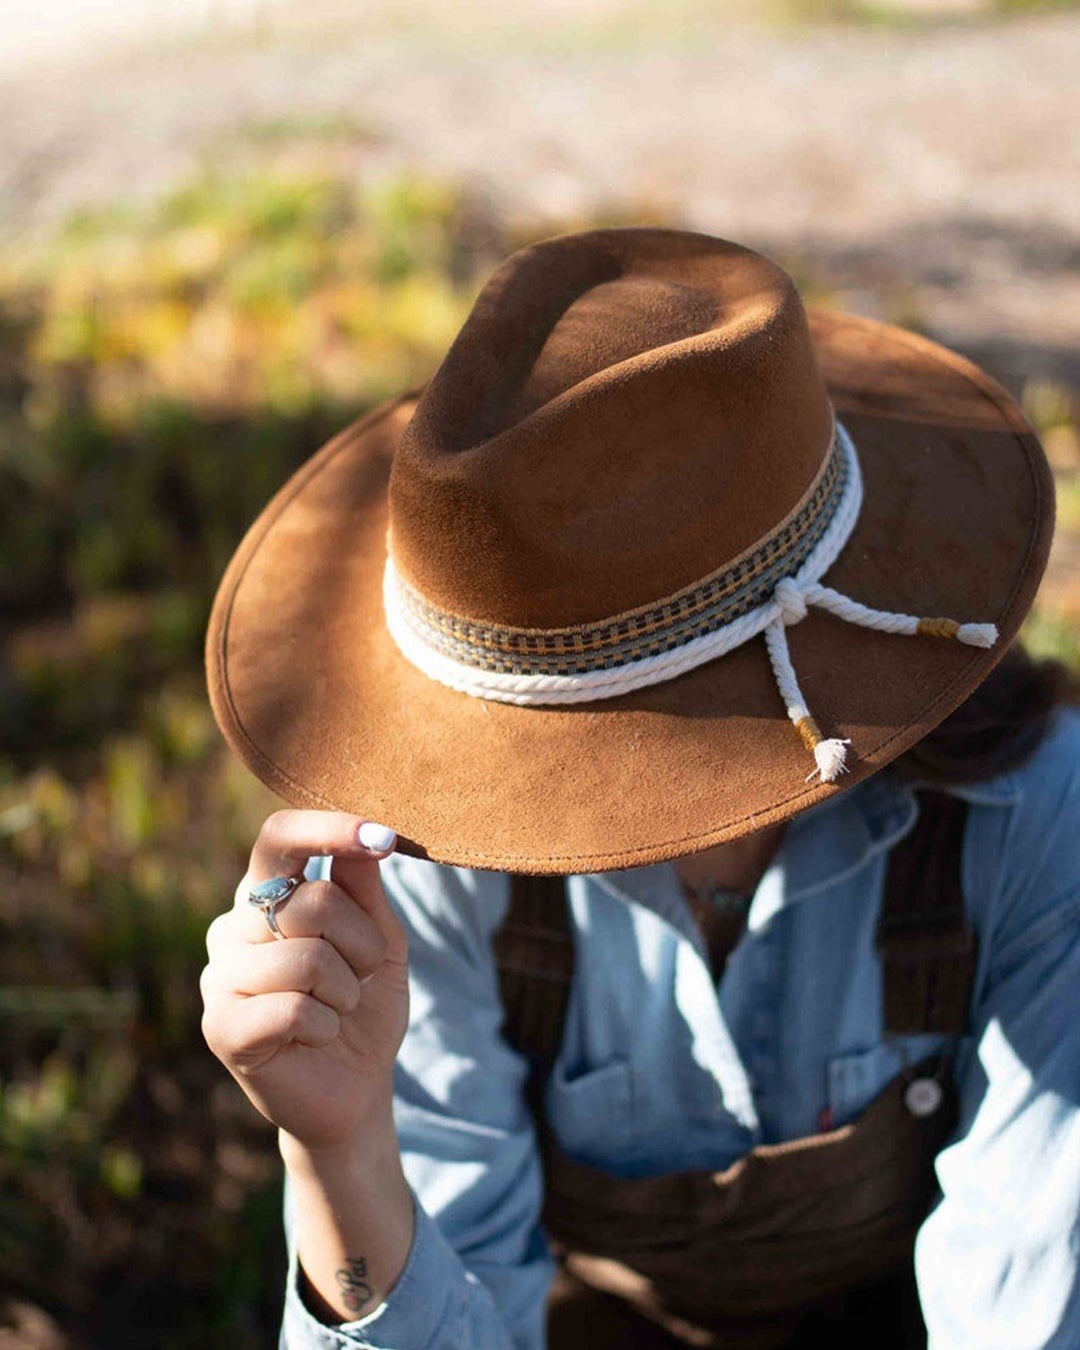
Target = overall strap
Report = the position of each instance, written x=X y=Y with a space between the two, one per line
x=534 y=955
x=925 y=938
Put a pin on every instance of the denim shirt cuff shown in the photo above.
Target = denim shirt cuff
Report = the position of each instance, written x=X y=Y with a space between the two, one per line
x=411 y=1316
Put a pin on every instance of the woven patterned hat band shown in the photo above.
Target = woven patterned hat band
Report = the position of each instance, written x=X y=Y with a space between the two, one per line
x=764 y=591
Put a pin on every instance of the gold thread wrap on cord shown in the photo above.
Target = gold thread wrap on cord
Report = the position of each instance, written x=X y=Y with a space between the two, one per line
x=810 y=732
x=945 y=628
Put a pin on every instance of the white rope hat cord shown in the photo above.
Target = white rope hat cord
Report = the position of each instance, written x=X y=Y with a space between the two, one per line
x=786 y=606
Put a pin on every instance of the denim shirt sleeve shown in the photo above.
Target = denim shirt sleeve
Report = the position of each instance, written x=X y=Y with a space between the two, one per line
x=479 y=1269
x=997 y=1259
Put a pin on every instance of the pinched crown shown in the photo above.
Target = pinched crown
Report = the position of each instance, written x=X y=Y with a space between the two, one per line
x=624 y=413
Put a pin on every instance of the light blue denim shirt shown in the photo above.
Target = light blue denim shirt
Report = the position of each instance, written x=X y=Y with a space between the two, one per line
x=661 y=1071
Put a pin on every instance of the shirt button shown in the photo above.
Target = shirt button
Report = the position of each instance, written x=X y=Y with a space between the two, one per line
x=923 y=1096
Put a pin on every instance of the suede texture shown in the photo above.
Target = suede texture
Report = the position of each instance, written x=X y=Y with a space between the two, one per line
x=313 y=694
x=623 y=413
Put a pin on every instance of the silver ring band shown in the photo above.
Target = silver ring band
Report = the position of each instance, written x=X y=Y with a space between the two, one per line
x=268 y=895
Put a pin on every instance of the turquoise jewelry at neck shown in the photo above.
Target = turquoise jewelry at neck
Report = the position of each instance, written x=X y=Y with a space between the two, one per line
x=720 y=898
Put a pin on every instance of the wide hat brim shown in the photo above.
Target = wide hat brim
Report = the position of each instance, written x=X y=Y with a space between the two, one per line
x=313 y=694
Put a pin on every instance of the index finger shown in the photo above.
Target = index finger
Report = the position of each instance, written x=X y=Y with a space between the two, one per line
x=289 y=838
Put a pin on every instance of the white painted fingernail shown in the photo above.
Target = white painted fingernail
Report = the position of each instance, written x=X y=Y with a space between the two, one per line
x=376 y=838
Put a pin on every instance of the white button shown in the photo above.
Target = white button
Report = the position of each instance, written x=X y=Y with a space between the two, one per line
x=923 y=1096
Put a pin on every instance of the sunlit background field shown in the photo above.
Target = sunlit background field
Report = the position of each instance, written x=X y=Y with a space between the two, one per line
x=184 y=325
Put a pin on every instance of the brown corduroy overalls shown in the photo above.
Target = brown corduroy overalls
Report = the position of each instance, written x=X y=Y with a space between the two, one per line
x=795 y=1242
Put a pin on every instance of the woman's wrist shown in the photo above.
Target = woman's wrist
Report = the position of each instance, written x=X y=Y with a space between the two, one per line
x=354 y=1219
x=372 y=1144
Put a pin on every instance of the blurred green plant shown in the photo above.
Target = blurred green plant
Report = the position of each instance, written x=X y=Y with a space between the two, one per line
x=912 y=13
x=239 y=292
x=162 y=370
x=1052 y=635
x=1007 y=7
x=332 y=127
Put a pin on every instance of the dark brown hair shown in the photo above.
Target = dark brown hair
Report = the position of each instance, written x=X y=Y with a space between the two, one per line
x=997 y=727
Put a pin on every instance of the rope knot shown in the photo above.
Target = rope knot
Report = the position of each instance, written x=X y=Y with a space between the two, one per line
x=791 y=600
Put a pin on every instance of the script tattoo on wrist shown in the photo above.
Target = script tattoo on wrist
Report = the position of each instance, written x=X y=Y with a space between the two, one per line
x=356 y=1293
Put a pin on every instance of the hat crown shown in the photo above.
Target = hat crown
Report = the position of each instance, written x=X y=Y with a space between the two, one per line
x=623 y=413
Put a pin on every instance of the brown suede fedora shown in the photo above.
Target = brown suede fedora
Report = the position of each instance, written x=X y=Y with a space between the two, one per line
x=569 y=607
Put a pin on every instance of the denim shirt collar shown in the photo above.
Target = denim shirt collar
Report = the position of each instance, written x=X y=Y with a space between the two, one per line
x=823 y=847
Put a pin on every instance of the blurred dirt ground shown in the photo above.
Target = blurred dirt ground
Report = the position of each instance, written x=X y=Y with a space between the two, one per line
x=942 y=156
x=921 y=159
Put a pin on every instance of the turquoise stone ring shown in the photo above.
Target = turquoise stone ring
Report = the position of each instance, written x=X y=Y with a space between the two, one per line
x=267 y=895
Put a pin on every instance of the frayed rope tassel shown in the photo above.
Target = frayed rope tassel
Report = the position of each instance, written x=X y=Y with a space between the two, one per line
x=830 y=754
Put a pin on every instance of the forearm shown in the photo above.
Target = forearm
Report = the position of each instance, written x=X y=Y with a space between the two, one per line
x=369 y=1264
x=354 y=1220
x=478 y=1270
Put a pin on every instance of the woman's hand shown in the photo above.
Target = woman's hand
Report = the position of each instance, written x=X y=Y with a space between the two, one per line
x=309 y=1026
